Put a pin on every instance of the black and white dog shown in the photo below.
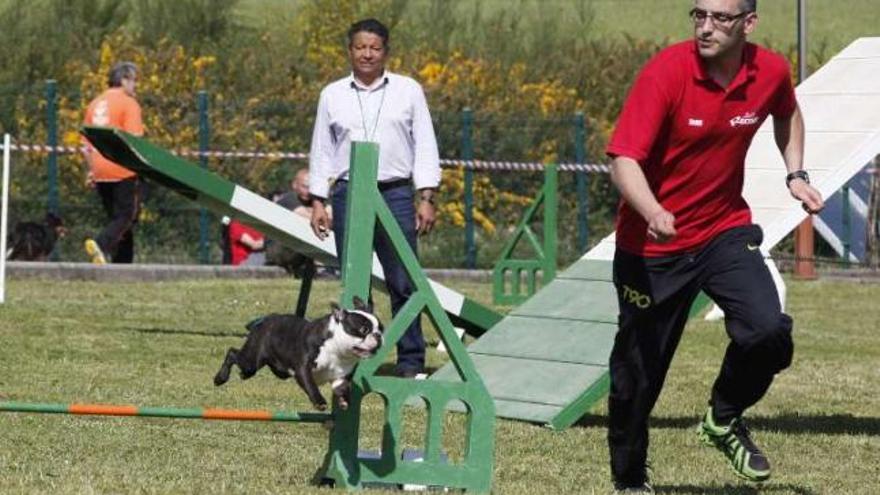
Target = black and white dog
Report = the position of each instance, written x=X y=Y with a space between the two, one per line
x=313 y=352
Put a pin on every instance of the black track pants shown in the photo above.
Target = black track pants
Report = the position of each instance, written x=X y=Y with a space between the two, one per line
x=121 y=201
x=655 y=296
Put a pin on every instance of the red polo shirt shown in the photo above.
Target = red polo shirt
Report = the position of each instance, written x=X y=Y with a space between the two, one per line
x=690 y=137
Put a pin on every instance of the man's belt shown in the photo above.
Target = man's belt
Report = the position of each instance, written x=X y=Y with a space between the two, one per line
x=385 y=186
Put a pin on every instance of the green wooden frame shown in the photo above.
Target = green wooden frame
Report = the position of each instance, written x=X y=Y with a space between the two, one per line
x=508 y=272
x=366 y=209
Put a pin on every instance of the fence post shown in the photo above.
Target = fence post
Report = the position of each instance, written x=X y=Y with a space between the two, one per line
x=204 y=137
x=52 y=141
x=467 y=153
x=847 y=223
x=580 y=131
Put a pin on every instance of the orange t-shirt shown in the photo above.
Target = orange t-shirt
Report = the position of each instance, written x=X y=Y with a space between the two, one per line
x=116 y=109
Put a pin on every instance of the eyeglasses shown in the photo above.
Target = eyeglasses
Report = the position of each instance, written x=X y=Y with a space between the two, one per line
x=699 y=16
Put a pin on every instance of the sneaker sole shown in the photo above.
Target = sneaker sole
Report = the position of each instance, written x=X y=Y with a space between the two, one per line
x=707 y=439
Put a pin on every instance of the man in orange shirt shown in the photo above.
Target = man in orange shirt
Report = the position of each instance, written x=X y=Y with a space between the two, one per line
x=119 y=188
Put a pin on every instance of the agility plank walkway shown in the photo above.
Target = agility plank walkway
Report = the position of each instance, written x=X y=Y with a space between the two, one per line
x=226 y=198
x=547 y=362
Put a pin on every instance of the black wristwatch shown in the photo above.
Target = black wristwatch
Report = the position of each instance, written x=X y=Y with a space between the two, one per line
x=797 y=174
x=426 y=195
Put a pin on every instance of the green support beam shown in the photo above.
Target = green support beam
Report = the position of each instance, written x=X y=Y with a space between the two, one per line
x=366 y=209
x=509 y=273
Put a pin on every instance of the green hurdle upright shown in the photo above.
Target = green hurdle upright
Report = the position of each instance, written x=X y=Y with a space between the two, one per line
x=365 y=210
x=510 y=272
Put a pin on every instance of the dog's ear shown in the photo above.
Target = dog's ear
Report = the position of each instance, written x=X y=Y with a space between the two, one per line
x=359 y=305
x=338 y=313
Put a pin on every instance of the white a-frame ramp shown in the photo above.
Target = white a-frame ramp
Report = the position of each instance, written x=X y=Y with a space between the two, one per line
x=841 y=107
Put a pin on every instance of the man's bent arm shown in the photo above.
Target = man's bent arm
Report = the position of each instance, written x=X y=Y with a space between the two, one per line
x=789 y=136
x=628 y=177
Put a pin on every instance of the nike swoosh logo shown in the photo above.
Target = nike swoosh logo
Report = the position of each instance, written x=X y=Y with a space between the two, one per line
x=752 y=247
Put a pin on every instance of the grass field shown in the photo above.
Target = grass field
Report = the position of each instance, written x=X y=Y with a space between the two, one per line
x=159 y=344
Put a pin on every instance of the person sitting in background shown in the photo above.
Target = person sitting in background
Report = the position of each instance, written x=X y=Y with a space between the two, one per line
x=298 y=200
x=246 y=245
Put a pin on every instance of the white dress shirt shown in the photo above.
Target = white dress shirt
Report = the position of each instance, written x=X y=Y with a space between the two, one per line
x=392 y=112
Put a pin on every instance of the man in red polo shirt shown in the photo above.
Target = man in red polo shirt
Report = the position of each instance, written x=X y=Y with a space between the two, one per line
x=683 y=226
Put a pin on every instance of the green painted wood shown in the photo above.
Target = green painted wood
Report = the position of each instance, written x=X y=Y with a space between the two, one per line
x=589 y=270
x=575 y=409
x=509 y=273
x=366 y=208
x=522 y=411
x=586 y=300
x=571 y=341
x=476 y=315
x=531 y=381
x=158 y=165
x=702 y=302
x=546 y=362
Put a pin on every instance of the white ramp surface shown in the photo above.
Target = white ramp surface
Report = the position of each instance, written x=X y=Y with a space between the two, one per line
x=841 y=108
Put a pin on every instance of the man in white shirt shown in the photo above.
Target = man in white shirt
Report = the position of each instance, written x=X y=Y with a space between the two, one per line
x=375 y=105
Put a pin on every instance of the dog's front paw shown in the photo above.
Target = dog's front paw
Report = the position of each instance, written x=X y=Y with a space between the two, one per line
x=220 y=379
x=319 y=402
x=341 y=391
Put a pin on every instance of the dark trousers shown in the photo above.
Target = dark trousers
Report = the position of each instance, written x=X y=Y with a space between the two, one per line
x=655 y=295
x=411 y=346
x=121 y=201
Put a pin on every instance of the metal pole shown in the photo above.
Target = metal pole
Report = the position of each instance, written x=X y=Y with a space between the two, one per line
x=580 y=131
x=804 y=266
x=802 y=39
x=847 y=223
x=52 y=141
x=204 y=138
x=4 y=216
x=467 y=153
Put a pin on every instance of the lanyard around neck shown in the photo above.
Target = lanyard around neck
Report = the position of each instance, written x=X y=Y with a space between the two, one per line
x=372 y=135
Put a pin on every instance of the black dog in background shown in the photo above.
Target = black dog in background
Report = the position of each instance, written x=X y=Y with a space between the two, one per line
x=32 y=241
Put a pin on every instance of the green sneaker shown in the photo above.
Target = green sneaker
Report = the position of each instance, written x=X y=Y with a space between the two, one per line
x=733 y=440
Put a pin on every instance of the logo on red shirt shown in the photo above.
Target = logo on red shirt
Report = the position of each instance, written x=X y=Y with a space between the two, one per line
x=748 y=118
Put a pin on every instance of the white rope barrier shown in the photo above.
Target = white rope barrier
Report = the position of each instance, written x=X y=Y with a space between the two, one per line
x=489 y=165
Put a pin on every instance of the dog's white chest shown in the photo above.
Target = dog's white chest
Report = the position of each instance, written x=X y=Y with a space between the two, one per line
x=330 y=365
